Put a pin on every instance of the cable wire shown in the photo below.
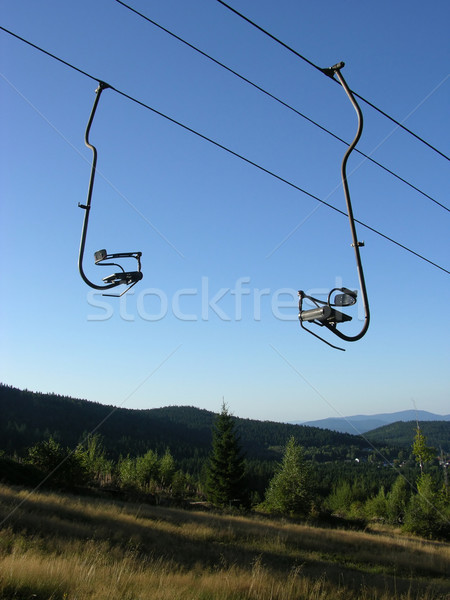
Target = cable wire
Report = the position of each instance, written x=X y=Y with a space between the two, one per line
x=221 y=146
x=278 y=41
x=282 y=102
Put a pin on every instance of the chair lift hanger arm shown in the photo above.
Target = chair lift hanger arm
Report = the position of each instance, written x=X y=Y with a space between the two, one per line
x=87 y=206
x=129 y=278
x=326 y=315
x=356 y=244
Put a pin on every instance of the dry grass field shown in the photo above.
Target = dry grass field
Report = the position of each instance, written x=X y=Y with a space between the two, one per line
x=60 y=546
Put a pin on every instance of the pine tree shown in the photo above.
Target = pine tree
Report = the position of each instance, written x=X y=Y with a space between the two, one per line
x=226 y=469
x=421 y=451
x=425 y=511
x=397 y=500
x=289 y=492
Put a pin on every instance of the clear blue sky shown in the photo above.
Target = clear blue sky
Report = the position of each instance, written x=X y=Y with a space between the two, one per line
x=207 y=223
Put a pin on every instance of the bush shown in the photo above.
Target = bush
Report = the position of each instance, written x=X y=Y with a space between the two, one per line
x=377 y=506
x=59 y=464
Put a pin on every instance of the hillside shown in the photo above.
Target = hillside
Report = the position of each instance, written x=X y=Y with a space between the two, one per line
x=402 y=434
x=59 y=546
x=29 y=417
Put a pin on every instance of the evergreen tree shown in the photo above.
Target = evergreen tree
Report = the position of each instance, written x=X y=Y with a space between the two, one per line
x=289 y=492
x=425 y=511
x=226 y=470
x=421 y=451
x=397 y=500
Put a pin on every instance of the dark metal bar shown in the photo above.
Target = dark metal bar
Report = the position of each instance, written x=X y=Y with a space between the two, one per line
x=87 y=206
x=124 y=277
x=325 y=315
x=356 y=244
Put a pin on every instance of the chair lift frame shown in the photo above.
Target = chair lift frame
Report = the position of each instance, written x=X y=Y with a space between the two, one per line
x=129 y=278
x=325 y=315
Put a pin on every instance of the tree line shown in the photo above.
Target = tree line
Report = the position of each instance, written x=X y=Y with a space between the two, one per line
x=296 y=486
x=30 y=417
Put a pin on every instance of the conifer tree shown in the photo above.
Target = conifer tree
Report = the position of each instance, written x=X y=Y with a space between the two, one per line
x=421 y=451
x=226 y=469
x=397 y=501
x=425 y=513
x=289 y=491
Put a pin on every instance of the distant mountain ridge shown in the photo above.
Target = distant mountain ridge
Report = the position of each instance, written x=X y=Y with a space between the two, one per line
x=358 y=424
x=30 y=417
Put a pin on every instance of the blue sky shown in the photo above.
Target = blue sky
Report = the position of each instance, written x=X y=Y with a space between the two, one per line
x=225 y=246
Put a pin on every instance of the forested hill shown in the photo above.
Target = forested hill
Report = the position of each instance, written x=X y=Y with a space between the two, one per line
x=402 y=433
x=29 y=417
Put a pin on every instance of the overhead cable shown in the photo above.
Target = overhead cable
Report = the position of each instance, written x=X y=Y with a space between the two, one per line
x=322 y=70
x=219 y=145
x=282 y=102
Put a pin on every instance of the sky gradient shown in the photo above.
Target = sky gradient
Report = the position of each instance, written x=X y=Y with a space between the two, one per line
x=225 y=245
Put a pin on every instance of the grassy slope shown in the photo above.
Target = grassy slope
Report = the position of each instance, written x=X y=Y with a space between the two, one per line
x=55 y=546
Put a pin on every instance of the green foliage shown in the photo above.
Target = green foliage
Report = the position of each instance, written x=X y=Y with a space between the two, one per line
x=340 y=499
x=46 y=455
x=181 y=486
x=148 y=473
x=348 y=498
x=421 y=451
x=289 y=491
x=30 y=417
x=397 y=501
x=167 y=469
x=428 y=512
x=376 y=507
x=126 y=469
x=401 y=433
x=91 y=455
x=147 y=469
x=225 y=471
x=36 y=431
x=58 y=463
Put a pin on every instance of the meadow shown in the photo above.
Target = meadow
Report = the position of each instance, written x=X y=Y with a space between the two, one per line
x=58 y=546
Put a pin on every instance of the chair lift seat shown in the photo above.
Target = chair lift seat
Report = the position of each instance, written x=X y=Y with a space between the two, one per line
x=126 y=277
x=324 y=314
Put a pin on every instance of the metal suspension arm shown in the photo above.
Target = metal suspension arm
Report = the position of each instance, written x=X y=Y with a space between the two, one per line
x=87 y=206
x=336 y=70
